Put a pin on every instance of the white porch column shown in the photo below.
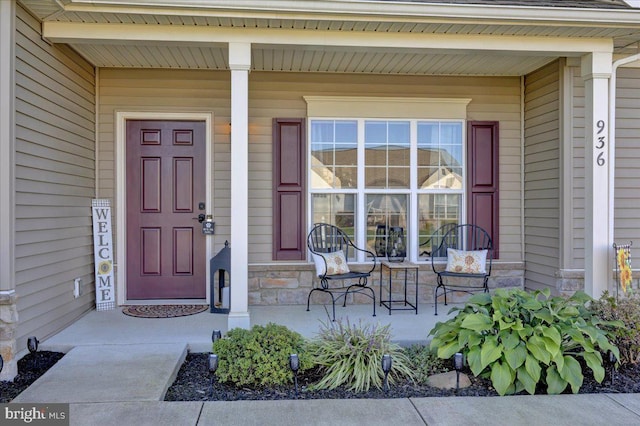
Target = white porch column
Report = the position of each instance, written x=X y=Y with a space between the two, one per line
x=596 y=71
x=239 y=63
x=8 y=298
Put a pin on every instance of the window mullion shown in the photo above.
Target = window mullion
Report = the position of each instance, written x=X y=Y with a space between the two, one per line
x=413 y=231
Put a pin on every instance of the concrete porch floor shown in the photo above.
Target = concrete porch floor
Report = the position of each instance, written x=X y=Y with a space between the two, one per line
x=113 y=327
x=118 y=369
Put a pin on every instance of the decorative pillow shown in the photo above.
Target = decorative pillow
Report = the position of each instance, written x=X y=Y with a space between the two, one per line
x=336 y=263
x=467 y=262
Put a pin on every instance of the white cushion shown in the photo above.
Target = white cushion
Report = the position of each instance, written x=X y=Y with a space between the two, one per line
x=336 y=263
x=467 y=262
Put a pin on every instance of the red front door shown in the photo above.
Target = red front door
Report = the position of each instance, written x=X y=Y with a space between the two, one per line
x=165 y=194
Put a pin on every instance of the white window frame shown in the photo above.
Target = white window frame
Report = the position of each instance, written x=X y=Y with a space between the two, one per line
x=412 y=192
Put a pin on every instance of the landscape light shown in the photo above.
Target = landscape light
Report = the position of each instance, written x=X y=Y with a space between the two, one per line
x=387 y=362
x=294 y=364
x=32 y=344
x=612 y=360
x=213 y=366
x=457 y=364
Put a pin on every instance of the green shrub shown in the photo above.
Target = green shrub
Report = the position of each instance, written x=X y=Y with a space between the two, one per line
x=627 y=310
x=424 y=362
x=260 y=356
x=519 y=339
x=352 y=356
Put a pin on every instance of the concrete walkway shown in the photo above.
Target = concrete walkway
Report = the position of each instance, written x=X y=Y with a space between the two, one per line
x=124 y=382
x=570 y=410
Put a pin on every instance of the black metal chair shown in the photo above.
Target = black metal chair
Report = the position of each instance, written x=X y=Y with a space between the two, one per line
x=466 y=238
x=325 y=239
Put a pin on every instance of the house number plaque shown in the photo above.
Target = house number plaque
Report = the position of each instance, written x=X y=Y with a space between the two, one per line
x=601 y=143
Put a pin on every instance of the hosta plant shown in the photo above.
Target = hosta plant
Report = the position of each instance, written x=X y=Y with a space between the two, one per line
x=520 y=339
x=351 y=356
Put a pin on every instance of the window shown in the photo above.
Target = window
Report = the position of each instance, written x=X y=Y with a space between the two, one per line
x=366 y=173
x=440 y=179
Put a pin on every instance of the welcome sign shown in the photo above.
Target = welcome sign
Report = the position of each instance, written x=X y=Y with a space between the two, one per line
x=103 y=255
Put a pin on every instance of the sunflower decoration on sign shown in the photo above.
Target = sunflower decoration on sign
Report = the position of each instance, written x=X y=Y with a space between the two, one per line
x=104 y=267
x=623 y=259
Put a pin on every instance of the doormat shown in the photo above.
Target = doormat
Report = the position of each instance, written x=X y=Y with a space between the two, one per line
x=163 y=311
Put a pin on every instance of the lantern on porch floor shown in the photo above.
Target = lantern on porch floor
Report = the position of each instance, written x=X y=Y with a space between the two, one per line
x=220 y=265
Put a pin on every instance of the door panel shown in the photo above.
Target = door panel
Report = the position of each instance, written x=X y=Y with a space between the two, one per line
x=150 y=251
x=150 y=185
x=183 y=251
x=165 y=183
x=183 y=184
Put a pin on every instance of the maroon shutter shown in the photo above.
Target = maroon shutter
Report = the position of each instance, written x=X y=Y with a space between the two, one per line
x=289 y=189
x=482 y=171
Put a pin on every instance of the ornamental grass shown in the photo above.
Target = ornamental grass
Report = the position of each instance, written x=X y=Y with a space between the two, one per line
x=351 y=356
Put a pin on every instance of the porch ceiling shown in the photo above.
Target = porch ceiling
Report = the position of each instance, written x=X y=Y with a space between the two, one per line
x=339 y=17
x=312 y=59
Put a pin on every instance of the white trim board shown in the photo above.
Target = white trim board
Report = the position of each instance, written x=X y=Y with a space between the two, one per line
x=387 y=107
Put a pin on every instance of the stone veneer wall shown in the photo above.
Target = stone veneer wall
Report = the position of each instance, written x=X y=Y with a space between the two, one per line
x=570 y=281
x=290 y=284
x=8 y=324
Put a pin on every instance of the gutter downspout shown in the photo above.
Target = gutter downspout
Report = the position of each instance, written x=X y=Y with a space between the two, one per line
x=612 y=143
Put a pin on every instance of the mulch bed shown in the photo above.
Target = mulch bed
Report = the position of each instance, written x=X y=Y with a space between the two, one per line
x=193 y=384
x=30 y=368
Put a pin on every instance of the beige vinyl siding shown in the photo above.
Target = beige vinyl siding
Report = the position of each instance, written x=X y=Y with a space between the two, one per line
x=541 y=177
x=55 y=182
x=627 y=178
x=578 y=179
x=272 y=95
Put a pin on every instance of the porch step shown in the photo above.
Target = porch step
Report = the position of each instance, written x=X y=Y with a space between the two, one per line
x=109 y=373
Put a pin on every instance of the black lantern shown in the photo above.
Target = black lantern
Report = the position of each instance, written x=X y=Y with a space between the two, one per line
x=294 y=365
x=396 y=244
x=387 y=362
x=457 y=364
x=213 y=366
x=220 y=265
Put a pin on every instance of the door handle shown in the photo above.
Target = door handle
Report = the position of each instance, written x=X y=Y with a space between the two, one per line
x=200 y=218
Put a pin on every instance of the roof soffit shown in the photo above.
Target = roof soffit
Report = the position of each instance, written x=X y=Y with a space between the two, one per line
x=344 y=17
x=416 y=17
